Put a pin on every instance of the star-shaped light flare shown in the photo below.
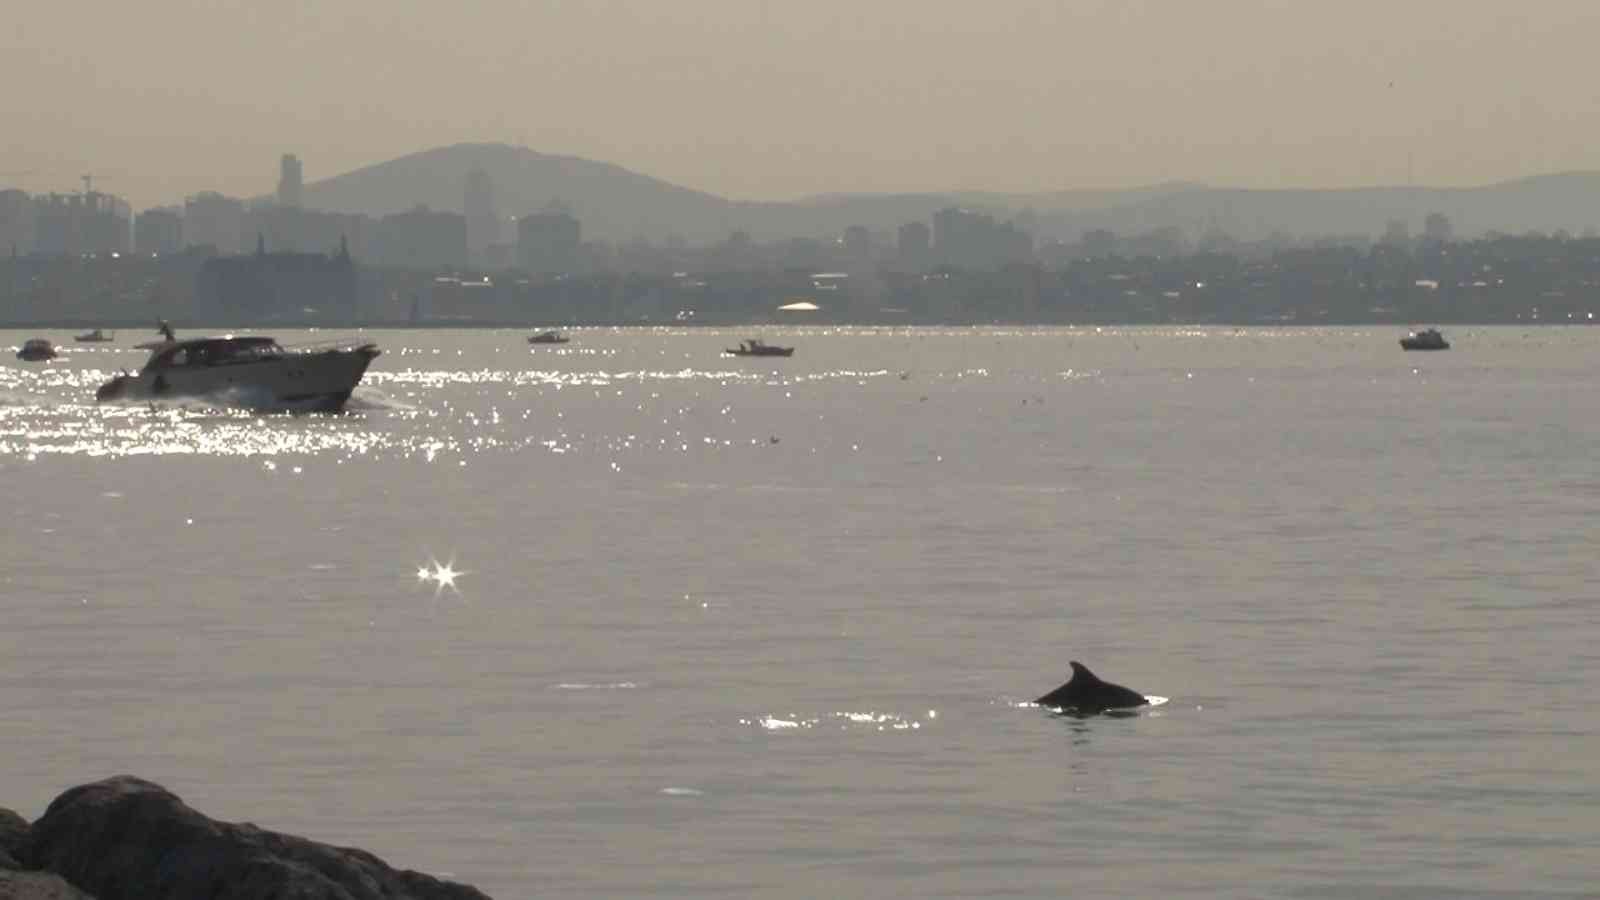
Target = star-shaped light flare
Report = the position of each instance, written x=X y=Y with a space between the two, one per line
x=443 y=575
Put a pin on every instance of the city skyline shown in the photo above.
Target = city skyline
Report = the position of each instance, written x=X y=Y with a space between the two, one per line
x=762 y=102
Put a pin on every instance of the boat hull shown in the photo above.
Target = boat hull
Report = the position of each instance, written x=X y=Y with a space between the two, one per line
x=1407 y=344
x=313 y=382
x=772 y=351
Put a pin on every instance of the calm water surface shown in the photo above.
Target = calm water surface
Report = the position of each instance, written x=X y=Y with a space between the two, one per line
x=756 y=628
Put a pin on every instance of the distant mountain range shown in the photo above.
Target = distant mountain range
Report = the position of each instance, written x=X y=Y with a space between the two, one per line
x=616 y=204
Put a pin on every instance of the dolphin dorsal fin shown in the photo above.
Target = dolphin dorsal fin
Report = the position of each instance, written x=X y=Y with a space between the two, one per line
x=1081 y=671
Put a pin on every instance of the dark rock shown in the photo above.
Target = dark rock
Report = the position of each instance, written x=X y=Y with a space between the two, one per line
x=128 y=839
x=13 y=831
x=16 y=884
x=37 y=886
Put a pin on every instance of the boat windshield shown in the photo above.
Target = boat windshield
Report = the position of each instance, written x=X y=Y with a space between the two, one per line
x=245 y=351
x=218 y=353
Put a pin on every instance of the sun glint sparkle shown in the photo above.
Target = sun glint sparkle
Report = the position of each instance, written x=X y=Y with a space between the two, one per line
x=442 y=574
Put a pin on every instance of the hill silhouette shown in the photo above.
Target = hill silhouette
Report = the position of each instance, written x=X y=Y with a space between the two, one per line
x=1568 y=201
x=611 y=201
x=619 y=205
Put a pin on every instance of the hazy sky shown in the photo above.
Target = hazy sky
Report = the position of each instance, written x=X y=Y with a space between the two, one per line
x=768 y=100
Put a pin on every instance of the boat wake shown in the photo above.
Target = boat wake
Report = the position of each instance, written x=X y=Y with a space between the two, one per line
x=371 y=399
x=25 y=399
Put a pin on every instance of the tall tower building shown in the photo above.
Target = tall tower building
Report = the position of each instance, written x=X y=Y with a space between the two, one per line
x=483 y=227
x=290 y=181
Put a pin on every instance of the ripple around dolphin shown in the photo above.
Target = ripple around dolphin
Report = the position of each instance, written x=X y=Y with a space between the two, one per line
x=1152 y=701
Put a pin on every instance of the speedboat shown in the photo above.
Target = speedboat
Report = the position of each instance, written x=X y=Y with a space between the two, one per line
x=548 y=337
x=755 y=347
x=36 y=350
x=254 y=371
x=1427 y=339
x=95 y=337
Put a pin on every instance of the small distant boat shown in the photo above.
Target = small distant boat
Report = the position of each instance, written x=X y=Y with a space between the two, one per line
x=756 y=347
x=1427 y=339
x=95 y=337
x=548 y=337
x=36 y=350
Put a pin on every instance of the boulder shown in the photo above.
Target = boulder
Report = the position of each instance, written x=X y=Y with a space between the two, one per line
x=13 y=831
x=125 y=838
x=37 y=886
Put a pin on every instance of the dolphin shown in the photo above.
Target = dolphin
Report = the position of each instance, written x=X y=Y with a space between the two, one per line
x=1087 y=694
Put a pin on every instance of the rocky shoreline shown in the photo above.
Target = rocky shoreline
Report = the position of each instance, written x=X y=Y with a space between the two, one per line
x=125 y=838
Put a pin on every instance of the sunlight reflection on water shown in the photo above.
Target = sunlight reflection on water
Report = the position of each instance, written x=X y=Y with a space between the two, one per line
x=405 y=413
x=1363 y=579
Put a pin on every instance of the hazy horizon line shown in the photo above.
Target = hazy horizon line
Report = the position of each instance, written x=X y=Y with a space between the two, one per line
x=267 y=178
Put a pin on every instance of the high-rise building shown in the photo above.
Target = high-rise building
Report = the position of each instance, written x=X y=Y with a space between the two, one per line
x=857 y=243
x=1397 y=234
x=421 y=239
x=90 y=222
x=915 y=246
x=158 y=230
x=16 y=223
x=483 y=228
x=290 y=180
x=1436 y=229
x=212 y=220
x=970 y=240
x=548 y=242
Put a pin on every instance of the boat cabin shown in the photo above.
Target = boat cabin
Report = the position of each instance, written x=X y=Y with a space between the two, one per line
x=214 y=352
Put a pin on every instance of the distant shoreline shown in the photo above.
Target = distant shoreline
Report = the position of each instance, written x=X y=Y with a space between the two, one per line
x=143 y=325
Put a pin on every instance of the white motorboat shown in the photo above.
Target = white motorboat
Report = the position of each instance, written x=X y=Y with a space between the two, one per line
x=250 y=371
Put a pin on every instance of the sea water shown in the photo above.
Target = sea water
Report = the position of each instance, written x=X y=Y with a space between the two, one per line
x=628 y=618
